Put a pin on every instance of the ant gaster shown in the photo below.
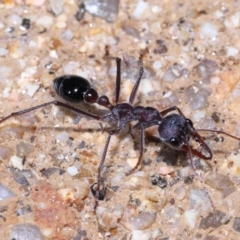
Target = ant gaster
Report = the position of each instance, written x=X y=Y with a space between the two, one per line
x=174 y=129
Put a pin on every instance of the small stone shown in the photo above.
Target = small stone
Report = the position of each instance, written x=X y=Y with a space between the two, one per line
x=31 y=89
x=72 y=170
x=141 y=7
x=231 y=51
x=222 y=183
x=56 y=6
x=155 y=195
x=206 y=68
x=108 y=218
x=209 y=30
x=45 y=21
x=17 y=162
x=140 y=235
x=3 y=51
x=140 y=221
x=236 y=224
x=26 y=231
x=156 y=179
x=198 y=199
x=68 y=194
x=5 y=192
x=214 y=220
x=173 y=72
x=62 y=137
x=132 y=31
x=196 y=98
x=161 y=47
x=36 y=3
x=190 y=217
x=209 y=237
x=106 y=9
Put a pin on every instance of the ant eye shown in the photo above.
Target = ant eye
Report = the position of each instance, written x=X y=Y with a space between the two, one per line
x=174 y=142
x=189 y=121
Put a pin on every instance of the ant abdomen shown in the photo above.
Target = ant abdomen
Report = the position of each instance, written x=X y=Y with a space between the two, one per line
x=74 y=89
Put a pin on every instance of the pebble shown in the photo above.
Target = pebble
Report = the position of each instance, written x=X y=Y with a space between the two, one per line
x=137 y=221
x=180 y=192
x=196 y=98
x=198 y=199
x=36 y=3
x=132 y=31
x=156 y=195
x=67 y=35
x=214 y=220
x=23 y=149
x=3 y=51
x=26 y=231
x=206 y=68
x=5 y=152
x=236 y=224
x=32 y=89
x=140 y=235
x=146 y=86
x=190 y=217
x=141 y=7
x=222 y=183
x=17 y=162
x=61 y=21
x=56 y=6
x=233 y=159
x=72 y=170
x=209 y=30
x=68 y=194
x=106 y=9
x=173 y=72
x=5 y=192
x=108 y=218
x=20 y=176
x=232 y=51
x=136 y=182
x=45 y=21
x=233 y=21
x=62 y=137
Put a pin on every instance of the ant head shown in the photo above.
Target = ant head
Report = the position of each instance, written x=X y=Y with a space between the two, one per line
x=175 y=130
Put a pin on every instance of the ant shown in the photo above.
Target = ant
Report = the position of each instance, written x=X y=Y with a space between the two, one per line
x=174 y=129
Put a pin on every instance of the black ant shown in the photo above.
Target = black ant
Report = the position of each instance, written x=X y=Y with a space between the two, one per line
x=174 y=129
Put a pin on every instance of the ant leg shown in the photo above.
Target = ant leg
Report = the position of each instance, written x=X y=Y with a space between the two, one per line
x=118 y=75
x=136 y=85
x=97 y=193
x=140 y=154
x=174 y=108
x=118 y=80
x=57 y=103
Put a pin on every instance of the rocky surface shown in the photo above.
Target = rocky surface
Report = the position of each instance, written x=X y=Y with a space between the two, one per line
x=49 y=158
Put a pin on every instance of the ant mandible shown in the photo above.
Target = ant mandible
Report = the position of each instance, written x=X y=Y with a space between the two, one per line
x=174 y=129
